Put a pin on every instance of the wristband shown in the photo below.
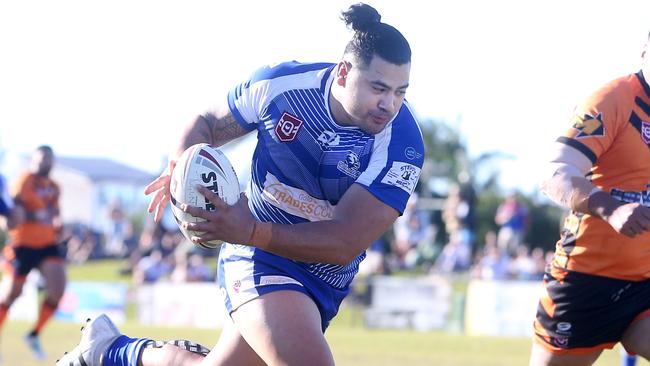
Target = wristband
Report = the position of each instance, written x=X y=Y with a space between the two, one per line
x=261 y=235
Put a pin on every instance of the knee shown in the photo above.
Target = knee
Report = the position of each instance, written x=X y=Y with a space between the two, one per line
x=12 y=296
x=637 y=345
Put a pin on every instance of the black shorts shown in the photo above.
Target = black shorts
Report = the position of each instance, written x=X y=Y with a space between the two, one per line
x=581 y=313
x=21 y=260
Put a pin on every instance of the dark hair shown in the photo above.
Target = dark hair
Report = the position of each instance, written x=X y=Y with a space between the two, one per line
x=372 y=37
x=46 y=149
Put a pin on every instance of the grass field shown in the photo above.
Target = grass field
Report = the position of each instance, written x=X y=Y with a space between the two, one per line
x=352 y=344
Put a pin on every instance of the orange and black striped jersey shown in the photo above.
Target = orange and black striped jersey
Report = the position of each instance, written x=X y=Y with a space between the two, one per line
x=39 y=196
x=611 y=128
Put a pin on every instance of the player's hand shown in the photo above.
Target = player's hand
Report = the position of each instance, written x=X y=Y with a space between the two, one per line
x=630 y=219
x=233 y=224
x=160 y=188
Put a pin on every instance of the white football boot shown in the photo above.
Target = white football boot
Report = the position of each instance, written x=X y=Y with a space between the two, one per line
x=96 y=336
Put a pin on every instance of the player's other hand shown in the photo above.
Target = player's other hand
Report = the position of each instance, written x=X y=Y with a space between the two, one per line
x=630 y=219
x=233 y=224
x=160 y=188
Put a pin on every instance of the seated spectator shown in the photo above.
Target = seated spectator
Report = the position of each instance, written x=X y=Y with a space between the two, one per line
x=522 y=267
x=456 y=256
x=151 y=268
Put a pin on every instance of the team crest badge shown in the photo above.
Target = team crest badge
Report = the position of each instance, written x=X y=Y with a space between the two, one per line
x=351 y=165
x=287 y=127
x=645 y=132
x=588 y=125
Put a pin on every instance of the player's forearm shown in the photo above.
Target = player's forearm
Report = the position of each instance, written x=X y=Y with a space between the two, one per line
x=214 y=129
x=323 y=242
x=602 y=204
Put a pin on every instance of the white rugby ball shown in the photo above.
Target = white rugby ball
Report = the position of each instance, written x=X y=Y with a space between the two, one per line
x=204 y=165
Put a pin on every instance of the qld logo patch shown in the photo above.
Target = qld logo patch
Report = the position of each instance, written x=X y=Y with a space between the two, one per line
x=287 y=127
x=588 y=125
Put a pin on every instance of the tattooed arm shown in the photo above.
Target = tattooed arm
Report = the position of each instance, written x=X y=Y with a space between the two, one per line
x=215 y=128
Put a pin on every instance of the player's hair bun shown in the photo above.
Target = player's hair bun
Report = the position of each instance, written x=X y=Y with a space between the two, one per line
x=361 y=17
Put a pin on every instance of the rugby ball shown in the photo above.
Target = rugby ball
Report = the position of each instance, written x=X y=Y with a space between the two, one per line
x=204 y=165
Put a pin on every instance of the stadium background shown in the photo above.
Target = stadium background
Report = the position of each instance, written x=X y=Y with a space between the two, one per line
x=91 y=71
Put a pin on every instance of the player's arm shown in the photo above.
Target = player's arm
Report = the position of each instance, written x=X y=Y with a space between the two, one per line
x=358 y=219
x=215 y=128
x=568 y=187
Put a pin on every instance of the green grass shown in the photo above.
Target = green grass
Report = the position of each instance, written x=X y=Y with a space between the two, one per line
x=351 y=343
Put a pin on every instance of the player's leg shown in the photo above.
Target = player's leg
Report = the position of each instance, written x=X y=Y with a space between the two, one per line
x=231 y=350
x=284 y=328
x=540 y=356
x=636 y=338
x=51 y=266
x=53 y=273
x=103 y=344
x=15 y=272
x=10 y=288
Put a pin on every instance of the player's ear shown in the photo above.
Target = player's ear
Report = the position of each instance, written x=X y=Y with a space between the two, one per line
x=342 y=70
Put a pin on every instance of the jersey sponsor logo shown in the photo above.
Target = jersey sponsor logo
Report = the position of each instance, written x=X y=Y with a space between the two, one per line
x=287 y=127
x=402 y=175
x=588 y=125
x=328 y=138
x=278 y=280
x=563 y=327
x=351 y=165
x=411 y=153
x=295 y=201
x=645 y=132
x=561 y=342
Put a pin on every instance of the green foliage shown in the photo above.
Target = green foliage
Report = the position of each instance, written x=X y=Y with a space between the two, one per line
x=544 y=224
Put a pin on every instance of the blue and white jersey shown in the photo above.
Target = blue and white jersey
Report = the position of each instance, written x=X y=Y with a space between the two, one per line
x=304 y=161
x=6 y=203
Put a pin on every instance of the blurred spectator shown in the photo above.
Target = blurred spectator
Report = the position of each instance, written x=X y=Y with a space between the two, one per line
x=456 y=256
x=151 y=268
x=512 y=218
x=492 y=263
x=82 y=243
x=523 y=267
x=118 y=230
x=414 y=237
x=190 y=267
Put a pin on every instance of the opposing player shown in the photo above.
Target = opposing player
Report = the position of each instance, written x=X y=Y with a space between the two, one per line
x=33 y=243
x=598 y=285
x=7 y=207
x=338 y=155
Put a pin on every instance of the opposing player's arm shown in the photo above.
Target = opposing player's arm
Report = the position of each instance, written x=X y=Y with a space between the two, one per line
x=566 y=184
x=216 y=128
x=568 y=187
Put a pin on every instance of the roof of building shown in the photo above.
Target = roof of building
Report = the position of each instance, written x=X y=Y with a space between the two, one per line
x=101 y=169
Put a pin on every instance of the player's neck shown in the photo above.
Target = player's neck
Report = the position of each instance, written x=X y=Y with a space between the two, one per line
x=339 y=114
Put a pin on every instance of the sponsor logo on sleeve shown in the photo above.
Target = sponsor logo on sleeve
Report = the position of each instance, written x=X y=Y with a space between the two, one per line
x=411 y=153
x=402 y=175
x=287 y=127
x=588 y=125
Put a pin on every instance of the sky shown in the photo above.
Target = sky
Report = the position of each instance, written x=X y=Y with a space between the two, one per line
x=121 y=78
